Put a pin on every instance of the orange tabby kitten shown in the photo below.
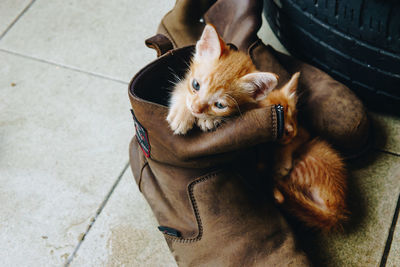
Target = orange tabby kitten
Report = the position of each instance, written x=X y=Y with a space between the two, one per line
x=309 y=176
x=220 y=83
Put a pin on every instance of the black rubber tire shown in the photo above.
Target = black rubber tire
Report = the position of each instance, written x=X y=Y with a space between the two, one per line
x=357 y=42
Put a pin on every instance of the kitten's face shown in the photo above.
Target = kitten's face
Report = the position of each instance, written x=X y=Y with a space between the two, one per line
x=214 y=86
x=222 y=81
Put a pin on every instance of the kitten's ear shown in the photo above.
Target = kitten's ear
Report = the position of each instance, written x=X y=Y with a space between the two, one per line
x=259 y=84
x=210 y=46
x=289 y=89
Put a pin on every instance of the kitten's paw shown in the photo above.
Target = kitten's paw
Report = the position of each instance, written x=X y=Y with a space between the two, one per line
x=278 y=196
x=281 y=172
x=288 y=135
x=283 y=168
x=182 y=127
x=208 y=124
x=180 y=120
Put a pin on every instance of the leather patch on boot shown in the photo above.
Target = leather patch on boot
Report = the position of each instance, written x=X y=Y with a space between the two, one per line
x=141 y=136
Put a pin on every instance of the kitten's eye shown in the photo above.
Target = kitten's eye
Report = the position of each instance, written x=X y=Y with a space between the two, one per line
x=219 y=105
x=195 y=85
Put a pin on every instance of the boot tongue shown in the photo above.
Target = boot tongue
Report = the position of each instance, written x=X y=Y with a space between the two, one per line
x=237 y=21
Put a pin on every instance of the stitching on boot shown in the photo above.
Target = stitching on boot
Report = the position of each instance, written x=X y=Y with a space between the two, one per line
x=274 y=122
x=141 y=175
x=195 y=209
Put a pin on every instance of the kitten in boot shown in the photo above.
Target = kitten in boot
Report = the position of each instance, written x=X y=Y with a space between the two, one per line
x=309 y=175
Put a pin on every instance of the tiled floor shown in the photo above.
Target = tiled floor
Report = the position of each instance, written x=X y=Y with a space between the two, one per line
x=64 y=133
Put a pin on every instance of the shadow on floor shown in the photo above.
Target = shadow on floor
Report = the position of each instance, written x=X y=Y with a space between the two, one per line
x=315 y=243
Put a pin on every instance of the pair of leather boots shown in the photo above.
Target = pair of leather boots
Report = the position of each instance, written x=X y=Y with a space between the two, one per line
x=213 y=207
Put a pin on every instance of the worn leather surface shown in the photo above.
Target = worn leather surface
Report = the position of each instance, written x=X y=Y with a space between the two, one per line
x=219 y=221
x=328 y=107
x=199 y=184
x=235 y=231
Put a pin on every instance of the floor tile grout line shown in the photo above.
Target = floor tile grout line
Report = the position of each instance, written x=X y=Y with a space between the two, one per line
x=98 y=212
x=63 y=66
x=389 y=239
x=16 y=19
x=387 y=152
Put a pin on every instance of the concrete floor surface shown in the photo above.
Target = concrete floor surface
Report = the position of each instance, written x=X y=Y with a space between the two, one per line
x=65 y=127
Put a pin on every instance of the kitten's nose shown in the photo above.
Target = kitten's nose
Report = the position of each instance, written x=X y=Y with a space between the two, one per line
x=197 y=108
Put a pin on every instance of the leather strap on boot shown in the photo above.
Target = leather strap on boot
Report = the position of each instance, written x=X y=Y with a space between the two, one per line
x=160 y=43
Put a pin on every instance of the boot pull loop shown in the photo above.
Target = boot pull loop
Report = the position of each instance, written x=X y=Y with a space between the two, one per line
x=160 y=43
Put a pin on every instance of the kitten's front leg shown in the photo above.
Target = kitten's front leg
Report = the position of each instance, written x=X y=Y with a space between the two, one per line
x=283 y=161
x=284 y=154
x=208 y=124
x=180 y=119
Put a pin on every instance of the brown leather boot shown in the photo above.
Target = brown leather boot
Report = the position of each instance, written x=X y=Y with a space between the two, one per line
x=201 y=186
x=327 y=107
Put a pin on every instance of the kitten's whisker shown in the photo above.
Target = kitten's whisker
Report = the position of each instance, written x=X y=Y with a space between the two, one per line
x=177 y=78
x=187 y=63
x=173 y=82
x=299 y=94
x=236 y=104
